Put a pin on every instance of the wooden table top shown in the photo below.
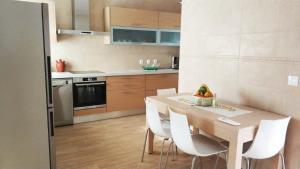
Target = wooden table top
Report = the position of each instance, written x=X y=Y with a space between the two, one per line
x=207 y=121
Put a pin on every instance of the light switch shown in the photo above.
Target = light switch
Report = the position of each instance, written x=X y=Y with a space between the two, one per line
x=293 y=80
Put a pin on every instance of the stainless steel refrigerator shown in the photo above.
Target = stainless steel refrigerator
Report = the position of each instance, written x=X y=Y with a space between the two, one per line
x=26 y=111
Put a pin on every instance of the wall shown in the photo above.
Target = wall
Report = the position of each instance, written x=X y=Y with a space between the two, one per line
x=245 y=50
x=90 y=53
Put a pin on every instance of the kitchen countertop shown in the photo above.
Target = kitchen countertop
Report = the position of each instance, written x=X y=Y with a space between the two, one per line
x=62 y=75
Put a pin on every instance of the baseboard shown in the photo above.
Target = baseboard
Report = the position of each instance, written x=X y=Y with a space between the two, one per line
x=107 y=115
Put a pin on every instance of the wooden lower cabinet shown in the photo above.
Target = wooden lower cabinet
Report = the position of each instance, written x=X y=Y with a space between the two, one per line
x=128 y=92
x=125 y=100
x=125 y=92
x=161 y=81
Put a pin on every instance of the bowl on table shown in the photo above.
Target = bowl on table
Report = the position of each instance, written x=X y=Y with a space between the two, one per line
x=203 y=101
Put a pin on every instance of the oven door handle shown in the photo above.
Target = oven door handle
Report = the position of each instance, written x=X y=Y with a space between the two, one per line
x=90 y=84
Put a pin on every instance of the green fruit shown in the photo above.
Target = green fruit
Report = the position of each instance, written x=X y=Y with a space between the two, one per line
x=202 y=90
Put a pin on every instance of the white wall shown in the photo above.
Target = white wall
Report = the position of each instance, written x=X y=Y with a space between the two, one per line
x=244 y=50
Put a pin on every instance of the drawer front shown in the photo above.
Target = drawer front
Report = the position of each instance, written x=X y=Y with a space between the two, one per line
x=118 y=83
x=133 y=17
x=125 y=100
x=89 y=111
x=161 y=81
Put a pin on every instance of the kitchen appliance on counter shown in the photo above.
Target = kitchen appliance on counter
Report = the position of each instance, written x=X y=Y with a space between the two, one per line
x=89 y=92
x=26 y=118
x=175 y=62
x=63 y=101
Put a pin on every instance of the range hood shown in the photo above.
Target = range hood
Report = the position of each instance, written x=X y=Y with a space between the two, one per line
x=80 y=20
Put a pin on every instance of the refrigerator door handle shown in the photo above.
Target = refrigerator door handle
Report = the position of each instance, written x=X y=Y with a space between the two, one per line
x=51 y=122
x=51 y=134
x=48 y=81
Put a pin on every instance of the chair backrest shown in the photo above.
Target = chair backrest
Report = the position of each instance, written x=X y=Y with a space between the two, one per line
x=153 y=119
x=181 y=132
x=162 y=92
x=269 y=139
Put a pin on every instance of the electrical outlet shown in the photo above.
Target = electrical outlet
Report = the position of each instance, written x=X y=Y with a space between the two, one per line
x=293 y=80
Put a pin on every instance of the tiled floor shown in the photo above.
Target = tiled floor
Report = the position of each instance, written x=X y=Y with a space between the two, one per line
x=112 y=144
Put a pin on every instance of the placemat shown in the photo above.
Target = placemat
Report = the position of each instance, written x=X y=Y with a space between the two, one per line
x=221 y=109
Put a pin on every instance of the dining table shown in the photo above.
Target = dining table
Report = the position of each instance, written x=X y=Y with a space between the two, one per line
x=205 y=119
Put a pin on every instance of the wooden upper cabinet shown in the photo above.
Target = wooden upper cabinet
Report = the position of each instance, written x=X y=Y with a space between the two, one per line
x=168 y=20
x=128 y=17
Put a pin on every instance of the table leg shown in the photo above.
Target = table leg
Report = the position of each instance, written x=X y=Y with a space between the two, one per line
x=150 y=142
x=235 y=154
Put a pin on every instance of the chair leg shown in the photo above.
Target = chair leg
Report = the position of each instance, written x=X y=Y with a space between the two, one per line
x=171 y=145
x=145 y=145
x=176 y=149
x=161 y=153
x=282 y=160
x=201 y=163
x=194 y=166
x=217 y=161
x=247 y=163
x=173 y=153
x=250 y=163
x=226 y=160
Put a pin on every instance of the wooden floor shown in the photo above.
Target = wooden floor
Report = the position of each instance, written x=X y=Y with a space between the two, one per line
x=112 y=144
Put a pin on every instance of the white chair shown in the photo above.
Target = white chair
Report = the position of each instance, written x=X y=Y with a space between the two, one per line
x=269 y=141
x=163 y=92
x=159 y=127
x=196 y=145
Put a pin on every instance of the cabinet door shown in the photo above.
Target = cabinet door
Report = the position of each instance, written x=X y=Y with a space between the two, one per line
x=125 y=92
x=63 y=10
x=161 y=81
x=169 y=37
x=168 y=20
x=119 y=100
x=133 y=17
x=121 y=35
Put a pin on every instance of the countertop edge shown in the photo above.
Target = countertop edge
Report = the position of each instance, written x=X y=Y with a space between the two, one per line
x=66 y=75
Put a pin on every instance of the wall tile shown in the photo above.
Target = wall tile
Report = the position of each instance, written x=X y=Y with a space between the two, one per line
x=259 y=16
x=262 y=74
x=223 y=45
x=261 y=97
x=258 y=45
x=229 y=17
x=287 y=45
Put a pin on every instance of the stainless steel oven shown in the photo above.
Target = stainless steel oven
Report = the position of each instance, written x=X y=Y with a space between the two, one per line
x=89 y=92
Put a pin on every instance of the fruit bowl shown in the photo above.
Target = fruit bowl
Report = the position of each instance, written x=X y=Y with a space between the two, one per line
x=203 y=101
x=203 y=96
